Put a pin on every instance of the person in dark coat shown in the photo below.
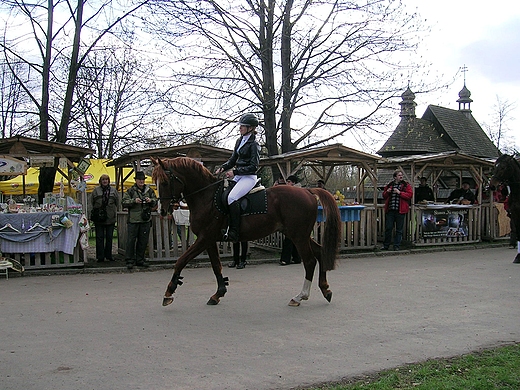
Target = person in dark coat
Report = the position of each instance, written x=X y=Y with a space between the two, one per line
x=104 y=197
x=289 y=252
x=423 y=192
x=462 y=195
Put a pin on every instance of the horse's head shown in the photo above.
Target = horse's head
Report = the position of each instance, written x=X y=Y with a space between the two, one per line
x=503 y=171
x=169 y=185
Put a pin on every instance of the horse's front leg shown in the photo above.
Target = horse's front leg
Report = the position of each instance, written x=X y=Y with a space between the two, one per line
x=309 y=263
x=193 y=251
x=222 y=282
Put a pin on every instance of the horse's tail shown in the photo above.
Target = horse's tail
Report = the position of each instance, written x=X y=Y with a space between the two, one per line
x=332 y=233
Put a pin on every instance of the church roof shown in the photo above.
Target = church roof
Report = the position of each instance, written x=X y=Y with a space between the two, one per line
x=463 y=130
x=439 y=130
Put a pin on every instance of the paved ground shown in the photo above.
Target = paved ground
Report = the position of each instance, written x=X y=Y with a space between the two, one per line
x=109 y=330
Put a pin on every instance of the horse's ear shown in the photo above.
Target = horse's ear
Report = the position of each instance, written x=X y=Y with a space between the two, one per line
x=154 y=160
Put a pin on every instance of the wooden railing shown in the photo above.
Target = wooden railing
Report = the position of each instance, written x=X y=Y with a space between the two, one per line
x=166 y=241
x=166 y=245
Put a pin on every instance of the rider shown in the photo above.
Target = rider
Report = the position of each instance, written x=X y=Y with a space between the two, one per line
x=241 y=167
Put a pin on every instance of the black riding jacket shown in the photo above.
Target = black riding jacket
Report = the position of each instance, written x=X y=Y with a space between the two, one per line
x=246 y=160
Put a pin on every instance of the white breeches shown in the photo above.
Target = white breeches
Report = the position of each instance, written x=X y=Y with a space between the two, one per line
x=243 y=185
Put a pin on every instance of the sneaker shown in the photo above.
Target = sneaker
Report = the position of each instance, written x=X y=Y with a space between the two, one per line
x=384 y=248
x=396 y=248
x=284 y=262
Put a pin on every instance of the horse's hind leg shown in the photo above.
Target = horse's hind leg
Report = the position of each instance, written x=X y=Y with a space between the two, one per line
x=309 y=263
x=322 y=281
x=222 y=282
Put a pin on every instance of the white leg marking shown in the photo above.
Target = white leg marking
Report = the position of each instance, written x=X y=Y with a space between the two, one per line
x=305 y=293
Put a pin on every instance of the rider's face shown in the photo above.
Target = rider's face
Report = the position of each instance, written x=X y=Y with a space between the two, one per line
x=244 y=129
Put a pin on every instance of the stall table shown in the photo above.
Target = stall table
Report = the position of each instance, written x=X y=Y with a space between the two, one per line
x=40 y=239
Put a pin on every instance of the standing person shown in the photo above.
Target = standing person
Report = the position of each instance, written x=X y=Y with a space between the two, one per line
x=397 y=195
x=241 y=167
x=140 y=200
x=239 y=259
x=105 y=201
x=423 y=192
x=288 y=249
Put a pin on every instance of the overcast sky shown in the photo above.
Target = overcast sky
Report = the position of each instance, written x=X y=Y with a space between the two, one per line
x=484 y=36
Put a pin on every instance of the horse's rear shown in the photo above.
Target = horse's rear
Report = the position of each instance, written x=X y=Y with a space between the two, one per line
x=293 y=211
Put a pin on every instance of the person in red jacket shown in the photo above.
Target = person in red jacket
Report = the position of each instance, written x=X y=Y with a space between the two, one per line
x=397 y=195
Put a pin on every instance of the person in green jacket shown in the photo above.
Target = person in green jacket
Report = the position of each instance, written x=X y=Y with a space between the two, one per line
x=140 y=200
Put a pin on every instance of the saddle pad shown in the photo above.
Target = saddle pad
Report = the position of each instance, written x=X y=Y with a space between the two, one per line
x=255 y=202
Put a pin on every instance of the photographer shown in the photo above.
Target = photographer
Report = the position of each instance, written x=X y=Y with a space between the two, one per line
x=140 y=200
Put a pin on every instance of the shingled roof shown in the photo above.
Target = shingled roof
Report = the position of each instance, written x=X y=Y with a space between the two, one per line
x=439 y=130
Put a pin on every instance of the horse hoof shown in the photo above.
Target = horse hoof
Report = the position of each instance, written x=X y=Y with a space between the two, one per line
x=328 y=296
x=213 y=302
x=517 y=259
x=294 y=303
x=167 y=301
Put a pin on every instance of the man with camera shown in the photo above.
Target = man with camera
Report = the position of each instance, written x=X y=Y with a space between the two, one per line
x=140 y=200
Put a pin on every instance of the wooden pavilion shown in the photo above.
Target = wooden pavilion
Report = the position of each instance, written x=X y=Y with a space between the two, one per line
x=359 y=234
x=165 y=244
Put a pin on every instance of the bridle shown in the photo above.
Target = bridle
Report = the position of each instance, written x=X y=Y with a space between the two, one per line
x=173 y=199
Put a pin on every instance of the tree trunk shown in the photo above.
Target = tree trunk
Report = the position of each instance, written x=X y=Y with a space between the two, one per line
x=287 y=78
x=73 y=73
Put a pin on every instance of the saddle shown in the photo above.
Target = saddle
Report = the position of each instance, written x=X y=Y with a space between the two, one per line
x=254 y=202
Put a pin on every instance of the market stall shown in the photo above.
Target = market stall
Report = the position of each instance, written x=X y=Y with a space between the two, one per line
x=438 y=222
x=52 y=233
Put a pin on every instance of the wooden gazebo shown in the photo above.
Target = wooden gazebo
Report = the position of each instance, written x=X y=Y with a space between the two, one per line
x=360 y=234
x=210 y=156
x=164 y=244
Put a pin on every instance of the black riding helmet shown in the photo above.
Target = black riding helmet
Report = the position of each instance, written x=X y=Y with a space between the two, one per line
x=248 y=120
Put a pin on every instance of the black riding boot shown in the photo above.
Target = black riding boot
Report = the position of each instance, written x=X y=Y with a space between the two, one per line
x=243 y=256
x=242 y=263
x=231 y=234
x=236 y=252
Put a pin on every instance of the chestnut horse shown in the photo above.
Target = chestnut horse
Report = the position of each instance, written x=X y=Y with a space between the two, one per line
x=291 y=210
x=507 y=172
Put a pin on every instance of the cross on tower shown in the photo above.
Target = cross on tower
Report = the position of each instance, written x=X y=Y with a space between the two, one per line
x=464 y=69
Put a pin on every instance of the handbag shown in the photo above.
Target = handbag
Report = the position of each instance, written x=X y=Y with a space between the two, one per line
x=99 y=214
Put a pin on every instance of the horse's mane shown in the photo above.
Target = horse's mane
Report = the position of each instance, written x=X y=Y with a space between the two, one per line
x=159 y=174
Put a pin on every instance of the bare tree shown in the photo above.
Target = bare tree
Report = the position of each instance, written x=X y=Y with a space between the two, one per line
x=499 y=130
x=315 y=70
x=41 y=37
x=116 y=107
x=10 y=99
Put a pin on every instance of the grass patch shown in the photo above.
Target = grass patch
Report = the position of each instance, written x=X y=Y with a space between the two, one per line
x=497 y=368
